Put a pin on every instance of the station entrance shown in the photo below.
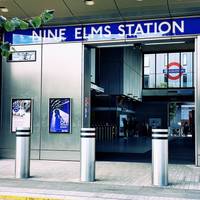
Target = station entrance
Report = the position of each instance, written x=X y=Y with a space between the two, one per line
x=138 y=87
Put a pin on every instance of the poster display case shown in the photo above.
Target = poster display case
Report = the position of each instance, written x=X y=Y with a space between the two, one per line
x=20 y=114
x=59 y=115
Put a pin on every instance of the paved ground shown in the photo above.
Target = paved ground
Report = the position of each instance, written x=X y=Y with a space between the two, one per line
x=115 y=180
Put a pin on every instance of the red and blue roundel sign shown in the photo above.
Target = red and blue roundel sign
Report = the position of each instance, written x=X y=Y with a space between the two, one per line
x=174 y=71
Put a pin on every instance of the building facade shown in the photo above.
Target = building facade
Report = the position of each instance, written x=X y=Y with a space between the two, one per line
x=62 y=78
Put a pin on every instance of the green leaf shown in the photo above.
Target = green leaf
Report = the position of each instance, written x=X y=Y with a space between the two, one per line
x=5 y=46
x=9 y=26
x=5 y=49
x=2 y=20
x=15 y=21
x=47 y=15
x=5 y=53
x=23 y=25
x=35 y=22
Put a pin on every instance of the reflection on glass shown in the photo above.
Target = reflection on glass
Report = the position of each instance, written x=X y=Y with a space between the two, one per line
x=149 y=71
x=174 y=70
x=181 y=119
x=161 y=81
x=168 y=70
x=187 y=65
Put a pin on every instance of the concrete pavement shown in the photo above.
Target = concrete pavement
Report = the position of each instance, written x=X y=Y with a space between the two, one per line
x=114 y=180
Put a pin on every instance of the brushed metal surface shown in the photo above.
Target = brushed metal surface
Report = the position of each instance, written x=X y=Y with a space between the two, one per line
x=160 y=162
x=56 y=73
x=61 y=77
x=22 y=161
x=87 y=159
x=21 y=80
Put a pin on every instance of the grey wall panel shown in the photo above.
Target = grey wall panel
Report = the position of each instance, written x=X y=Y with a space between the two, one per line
x=111 y=70
x=61 y=77
x=21 y=80
x=132 y=69
x=57 y=75
x=60 y=155
x=35 y=153
x=7 y=153
x=88 y=57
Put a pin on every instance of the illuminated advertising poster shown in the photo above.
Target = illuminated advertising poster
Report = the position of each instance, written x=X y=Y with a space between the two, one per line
x=59 y=115
x=21 y=114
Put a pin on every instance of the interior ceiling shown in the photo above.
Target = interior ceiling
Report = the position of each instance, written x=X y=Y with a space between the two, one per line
x=76 y=12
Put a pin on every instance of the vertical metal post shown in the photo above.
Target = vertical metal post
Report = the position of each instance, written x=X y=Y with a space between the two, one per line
x=87 y=154
x=197 y=100
x=22 y=162
x=160 y=157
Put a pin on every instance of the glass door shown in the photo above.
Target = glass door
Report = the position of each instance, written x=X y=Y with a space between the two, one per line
x=181 y=119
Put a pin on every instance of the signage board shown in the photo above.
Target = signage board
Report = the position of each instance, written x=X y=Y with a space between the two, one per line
x=21 y=114
x=174 y=71
x=59 y=115
x=107 y=31
x=22 y=56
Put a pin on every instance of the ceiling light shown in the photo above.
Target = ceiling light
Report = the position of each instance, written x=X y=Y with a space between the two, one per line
x=139 y=0
x=115 y=45
x=164 y=43
x=89 y=2
x=4 y=9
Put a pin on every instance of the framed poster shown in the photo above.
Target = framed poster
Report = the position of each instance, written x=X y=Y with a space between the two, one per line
x=59 y=115
x=20 y=114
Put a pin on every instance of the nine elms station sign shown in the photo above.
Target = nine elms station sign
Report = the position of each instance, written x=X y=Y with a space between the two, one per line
x=109 y=31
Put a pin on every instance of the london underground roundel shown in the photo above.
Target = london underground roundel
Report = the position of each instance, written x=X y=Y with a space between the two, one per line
x=174 y=71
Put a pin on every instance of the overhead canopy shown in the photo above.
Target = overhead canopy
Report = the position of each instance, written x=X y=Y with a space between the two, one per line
x=76 y=12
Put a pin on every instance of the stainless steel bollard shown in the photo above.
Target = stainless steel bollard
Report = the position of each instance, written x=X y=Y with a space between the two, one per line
x=22 y=162
x=160 y=157
x=87 y=154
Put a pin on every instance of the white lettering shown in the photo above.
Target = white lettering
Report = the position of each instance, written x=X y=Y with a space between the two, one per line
x=78 y=33
x=138 y=29
x=130 y=26
x=36 y=36
x=148 y=27
x=107 y=30
x=62 y=32
x=155 y=27
x=50 y=34
x=161 y=27
x=96 y=31
x=84 y=33
x=44 y=34
x=180 y=27
x=121 y=30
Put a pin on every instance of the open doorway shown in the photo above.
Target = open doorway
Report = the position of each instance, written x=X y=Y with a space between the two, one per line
x=132 y=88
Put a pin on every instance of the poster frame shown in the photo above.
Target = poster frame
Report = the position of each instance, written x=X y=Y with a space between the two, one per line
x=11 y=112
x=70 y=115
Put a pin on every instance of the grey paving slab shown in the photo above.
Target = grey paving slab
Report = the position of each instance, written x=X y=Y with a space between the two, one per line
x=114 y=180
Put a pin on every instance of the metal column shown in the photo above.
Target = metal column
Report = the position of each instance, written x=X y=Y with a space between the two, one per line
x=87 y=154
x=160 y=157
x=22 y=162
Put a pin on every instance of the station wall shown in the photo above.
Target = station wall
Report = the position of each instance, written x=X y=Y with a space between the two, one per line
x=56 y=73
